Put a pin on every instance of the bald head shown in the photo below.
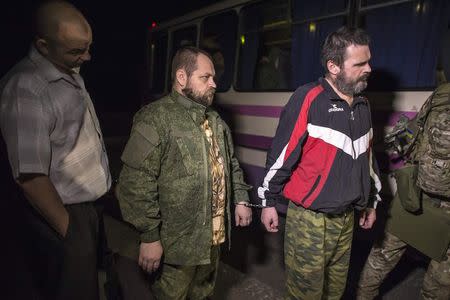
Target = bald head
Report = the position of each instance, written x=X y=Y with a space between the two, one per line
x=54 y=16
x=63 y=35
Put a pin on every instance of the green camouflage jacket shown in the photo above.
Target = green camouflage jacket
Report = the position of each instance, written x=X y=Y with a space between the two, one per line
x=164 y=188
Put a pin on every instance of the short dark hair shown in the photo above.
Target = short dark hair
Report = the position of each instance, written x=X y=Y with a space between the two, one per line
x=336 y=43
x=186 y=58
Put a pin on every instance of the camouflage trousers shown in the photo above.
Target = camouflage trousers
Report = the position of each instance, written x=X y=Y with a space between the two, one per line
x=187 y=282
x=383 y=258
x=317 y=253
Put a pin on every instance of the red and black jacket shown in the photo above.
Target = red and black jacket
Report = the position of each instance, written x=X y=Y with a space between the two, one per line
x=321 y=156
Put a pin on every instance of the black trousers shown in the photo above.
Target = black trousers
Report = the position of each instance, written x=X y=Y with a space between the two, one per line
x=64 y=267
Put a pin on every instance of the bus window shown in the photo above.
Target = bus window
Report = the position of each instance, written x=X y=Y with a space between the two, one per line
x=158 y=55
x=219 y=39
x=180 y=38
x=184 y=37
x=265 y=47
x=312 y=22
x=308 y=10
x=406 y=38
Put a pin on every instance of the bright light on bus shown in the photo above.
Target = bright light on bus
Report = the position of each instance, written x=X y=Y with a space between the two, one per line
x=312 y=27
x=418 y=7
x=242 y=40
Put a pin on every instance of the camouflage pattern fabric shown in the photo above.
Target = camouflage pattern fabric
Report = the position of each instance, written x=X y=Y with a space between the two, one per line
x=165 y=186
x=431 y=150
x=187 y=282
x=384 y=257
x=317 y=253
x=434 y=166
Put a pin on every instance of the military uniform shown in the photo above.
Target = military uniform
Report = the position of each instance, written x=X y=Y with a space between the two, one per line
x=417 y=216
x=385 y=256
x=166 y=185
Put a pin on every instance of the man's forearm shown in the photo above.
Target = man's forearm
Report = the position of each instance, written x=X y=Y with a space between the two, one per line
x=42 y=195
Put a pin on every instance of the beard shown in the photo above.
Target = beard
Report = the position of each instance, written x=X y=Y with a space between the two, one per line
x=351 y=87
x=205 y=99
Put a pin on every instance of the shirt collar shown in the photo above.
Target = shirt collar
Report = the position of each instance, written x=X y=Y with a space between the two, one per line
x=333 y=96
x=48 y=70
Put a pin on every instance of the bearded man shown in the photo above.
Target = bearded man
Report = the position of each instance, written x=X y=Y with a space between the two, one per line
x=321 y=161
x=179 y=177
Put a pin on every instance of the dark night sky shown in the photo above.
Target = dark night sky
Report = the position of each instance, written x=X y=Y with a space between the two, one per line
x=116 y=73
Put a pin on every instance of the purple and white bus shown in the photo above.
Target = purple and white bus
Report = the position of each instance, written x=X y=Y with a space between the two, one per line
x=264 y=50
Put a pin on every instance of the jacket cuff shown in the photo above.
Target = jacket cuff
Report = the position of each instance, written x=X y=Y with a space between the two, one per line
x=150 y=236
x=241 y=196
x=268 y=202
x=373 y=202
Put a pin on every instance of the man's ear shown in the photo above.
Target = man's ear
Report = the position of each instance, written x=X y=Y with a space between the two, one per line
x=181 y=78
x=333 y=68
x=41 y=46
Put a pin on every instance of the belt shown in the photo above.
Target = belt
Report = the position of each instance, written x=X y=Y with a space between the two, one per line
x=345 y=213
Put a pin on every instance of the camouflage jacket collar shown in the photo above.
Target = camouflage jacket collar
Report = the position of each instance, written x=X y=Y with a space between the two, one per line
x=196 y=110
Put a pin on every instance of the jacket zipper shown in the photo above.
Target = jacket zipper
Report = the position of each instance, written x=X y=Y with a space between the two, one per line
x=352 y=118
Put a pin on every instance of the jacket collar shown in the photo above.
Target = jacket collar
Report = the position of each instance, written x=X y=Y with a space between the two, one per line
x=196 y=110
x=333 y=96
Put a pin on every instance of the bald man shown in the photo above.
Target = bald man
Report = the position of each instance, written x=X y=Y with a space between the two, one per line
x=56 y=153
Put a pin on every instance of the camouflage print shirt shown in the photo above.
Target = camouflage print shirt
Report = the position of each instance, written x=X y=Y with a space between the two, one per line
x=165 y=186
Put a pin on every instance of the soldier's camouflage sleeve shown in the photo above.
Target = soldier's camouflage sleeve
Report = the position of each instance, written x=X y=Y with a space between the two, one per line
x=137 y=189
x=239 y=187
